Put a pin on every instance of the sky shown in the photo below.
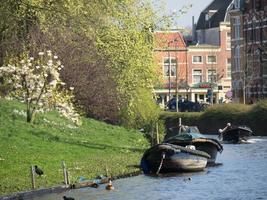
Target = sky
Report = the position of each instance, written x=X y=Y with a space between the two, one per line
x=186 y=19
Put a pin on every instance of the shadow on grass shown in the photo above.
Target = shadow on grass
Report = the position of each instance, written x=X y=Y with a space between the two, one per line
x=50 y=137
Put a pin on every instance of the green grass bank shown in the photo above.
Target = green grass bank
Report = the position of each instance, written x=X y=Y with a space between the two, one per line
x=215 y=117
x=87 y=150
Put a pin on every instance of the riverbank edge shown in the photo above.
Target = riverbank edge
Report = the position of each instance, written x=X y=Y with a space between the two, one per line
x=63 y=188
x=217 y=116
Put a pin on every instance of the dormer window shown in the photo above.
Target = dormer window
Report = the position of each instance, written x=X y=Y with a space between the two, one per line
x=209 y=14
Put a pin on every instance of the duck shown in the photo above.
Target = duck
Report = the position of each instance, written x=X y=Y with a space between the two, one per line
x=109 y=185
x=38 y=170
x=68 y=198
x=188 y=179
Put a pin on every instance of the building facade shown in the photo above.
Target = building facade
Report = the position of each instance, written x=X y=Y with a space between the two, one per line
x=249 y=77
x=255 y=49
x=171 y=60
x=200 y=72
x=213 y=41
x=237 y=45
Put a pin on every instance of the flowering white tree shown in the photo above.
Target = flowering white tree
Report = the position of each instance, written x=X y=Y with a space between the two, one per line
x=37 y=82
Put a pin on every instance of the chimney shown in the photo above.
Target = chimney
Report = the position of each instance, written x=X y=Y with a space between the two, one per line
x=193 y=30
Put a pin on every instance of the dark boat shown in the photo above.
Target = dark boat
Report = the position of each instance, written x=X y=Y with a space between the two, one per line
x=235 y=134
x=173 y=158
x=190 y=135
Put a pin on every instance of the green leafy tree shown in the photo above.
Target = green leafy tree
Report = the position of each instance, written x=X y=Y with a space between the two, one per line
x=107 y=48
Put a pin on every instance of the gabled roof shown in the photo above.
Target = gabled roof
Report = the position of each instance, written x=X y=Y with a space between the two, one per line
x=217 y=10
x=169 y=39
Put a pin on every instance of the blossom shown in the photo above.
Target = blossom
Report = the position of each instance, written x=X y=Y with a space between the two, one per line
x=37 y=85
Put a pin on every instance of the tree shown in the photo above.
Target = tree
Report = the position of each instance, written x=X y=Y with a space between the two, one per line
x=37 y=83
x=107 y=47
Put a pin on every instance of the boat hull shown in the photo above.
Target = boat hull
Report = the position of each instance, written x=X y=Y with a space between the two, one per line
x=236 y=135
x=173 y=158
x=210 y=149
x=182 y=162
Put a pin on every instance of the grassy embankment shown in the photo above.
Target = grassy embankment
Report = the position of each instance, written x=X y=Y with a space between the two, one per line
x=87 y=150
x=215 y=117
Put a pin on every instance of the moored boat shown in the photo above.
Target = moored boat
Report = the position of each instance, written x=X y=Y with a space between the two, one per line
x=235 y=134
x=190 y=135
x=167 y=157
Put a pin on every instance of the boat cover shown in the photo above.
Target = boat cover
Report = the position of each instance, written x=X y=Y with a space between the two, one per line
x=194 y=137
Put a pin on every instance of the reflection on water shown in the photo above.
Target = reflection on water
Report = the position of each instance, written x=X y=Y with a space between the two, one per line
x=243 y=175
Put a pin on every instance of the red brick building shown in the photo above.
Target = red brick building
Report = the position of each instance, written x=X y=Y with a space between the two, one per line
x=249 y=44
x=170 y=57
x=196 y=69
x=255 y=47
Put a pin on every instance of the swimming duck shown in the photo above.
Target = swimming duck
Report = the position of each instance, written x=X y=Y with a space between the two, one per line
x=68 y=198
x=109 y=185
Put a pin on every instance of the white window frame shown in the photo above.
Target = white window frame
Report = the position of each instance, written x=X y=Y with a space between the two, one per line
x=211 y=62
x=237 y=4
x=201 y=75
x=208 y=75
x=228 y=41
x=236 y=27
x=237 y=57
x=227 y=68
x=197 y=56
x=172 y=65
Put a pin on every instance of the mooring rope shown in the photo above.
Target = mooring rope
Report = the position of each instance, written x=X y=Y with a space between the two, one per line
x=161 y=162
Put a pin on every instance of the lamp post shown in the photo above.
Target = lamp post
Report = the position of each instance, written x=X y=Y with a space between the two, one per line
x=169 y=68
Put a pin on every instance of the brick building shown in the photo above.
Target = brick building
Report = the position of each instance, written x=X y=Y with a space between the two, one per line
x=237 y=45
x=249 y=49
x=170 y=56
x=213 y=50
x=200 y=69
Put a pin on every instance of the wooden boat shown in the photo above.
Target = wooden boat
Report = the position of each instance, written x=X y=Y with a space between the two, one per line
x=190 y=135
x=235 y=134
x=173 y=158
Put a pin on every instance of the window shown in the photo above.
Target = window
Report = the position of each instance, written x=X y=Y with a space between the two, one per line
x=228 y=40
x=172 y=63
x=237 y=58
x=197 y=59
x=237 y=4
x=211 y=59
x=264 y=63
x=228 y=73
x=258 y=5
x=264 y=68
x=197 y=76
x=212 y=75
x=236 y=27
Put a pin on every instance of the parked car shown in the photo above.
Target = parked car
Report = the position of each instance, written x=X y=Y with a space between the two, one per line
x=185 y=105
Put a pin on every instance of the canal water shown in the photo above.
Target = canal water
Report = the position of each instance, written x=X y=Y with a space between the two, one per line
x=242 y=175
